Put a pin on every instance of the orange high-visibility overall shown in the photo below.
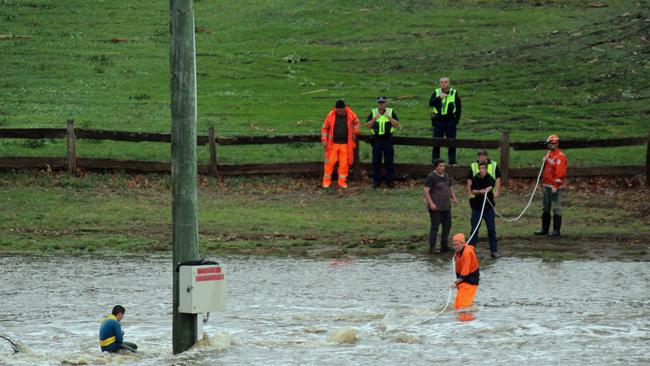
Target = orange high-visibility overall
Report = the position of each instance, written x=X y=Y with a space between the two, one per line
x=337 y=153
x=341 y=153
x=467 y=269
x=465 y=295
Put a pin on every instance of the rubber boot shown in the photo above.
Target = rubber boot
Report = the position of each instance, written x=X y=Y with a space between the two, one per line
x=557 y=225
x=546 y=223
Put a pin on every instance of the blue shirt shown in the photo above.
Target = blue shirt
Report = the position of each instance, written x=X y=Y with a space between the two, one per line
x=110 y=334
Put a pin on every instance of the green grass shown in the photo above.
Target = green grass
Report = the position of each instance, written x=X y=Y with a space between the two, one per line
x=106 y=214
x=562 y=67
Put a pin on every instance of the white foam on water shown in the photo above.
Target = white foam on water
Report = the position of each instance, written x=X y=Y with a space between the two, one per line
x=219 y=341
x=343 y=336
x=373 y=311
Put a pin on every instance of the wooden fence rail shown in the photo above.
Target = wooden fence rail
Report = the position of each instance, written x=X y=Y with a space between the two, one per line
x=71 y=162
x=580 y=144
x=33 y=133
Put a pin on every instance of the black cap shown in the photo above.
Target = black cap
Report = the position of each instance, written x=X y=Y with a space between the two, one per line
x=340 y=104
x=381 y=99
x=482 y=152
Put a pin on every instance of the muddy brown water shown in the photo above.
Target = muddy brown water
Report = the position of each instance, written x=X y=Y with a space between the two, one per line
x=368 y=311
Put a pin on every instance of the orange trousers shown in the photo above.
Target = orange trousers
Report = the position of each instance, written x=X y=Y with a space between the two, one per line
x=465 y=295
x=338 y=153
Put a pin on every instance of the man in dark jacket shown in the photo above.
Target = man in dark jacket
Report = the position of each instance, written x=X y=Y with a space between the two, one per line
x=482 y=184
x=445 y=115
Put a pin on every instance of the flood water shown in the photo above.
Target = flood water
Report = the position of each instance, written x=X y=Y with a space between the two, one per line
x=369 y=311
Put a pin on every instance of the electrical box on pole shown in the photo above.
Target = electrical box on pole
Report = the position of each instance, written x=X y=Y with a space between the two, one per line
x=202 y=289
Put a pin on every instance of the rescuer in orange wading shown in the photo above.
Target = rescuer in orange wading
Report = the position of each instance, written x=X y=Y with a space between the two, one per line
x=467 y=272
x=339 y=129
x=555 y=166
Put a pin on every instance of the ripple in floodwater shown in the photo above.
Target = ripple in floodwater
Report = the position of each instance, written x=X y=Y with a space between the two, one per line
x=367 y=311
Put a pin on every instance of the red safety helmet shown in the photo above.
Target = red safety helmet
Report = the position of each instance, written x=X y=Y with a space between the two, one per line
x=553 y=139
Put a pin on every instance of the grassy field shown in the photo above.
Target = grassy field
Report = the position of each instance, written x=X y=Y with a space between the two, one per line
x=578 y=69
x=276 y=67
x=117 y=214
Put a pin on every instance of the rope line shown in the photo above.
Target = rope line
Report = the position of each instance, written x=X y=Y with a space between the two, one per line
x=485 y=200
x=479 y=218
x=453 y=269
x=541 y=169
x=453 y=261
x=13 y=344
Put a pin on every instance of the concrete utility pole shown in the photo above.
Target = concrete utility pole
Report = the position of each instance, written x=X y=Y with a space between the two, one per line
x=184 y=191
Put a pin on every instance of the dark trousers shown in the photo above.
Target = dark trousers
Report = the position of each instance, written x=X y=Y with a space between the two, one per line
x=444 y=129
x=551 y=201
x=386 y=149
x=488 y=216
x=437 y=218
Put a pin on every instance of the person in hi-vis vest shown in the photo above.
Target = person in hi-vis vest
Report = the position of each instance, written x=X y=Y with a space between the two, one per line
x=445 y=115
x=382 y=121
x=492 y=169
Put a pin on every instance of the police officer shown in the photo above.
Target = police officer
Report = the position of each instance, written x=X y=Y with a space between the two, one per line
x=382 y=121
x=445 y=115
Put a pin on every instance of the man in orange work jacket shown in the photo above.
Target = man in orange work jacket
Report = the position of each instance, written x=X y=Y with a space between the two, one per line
x=467 y=272
x=555 y=166
x=339 y=129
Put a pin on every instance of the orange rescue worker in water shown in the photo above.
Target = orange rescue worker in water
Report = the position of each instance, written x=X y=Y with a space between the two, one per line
x=467 y=272
x=339 y=129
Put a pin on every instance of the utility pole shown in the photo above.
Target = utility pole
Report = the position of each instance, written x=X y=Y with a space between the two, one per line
x=184 y=191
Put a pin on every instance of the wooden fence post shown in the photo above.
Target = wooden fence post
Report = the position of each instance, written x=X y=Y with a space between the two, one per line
x=504 y=145
x=647 y=161
x=357 y=161
x=213 y=152
x=72 y=146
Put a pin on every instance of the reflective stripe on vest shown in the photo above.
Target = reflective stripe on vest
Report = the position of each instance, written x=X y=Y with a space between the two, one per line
x=108 y=341
x=491 y=168
x=380 y=123
x=451 y=98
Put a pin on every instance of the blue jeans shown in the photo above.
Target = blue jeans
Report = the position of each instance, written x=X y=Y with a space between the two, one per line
x=488 y=216
x=448 y=130
x=385 y=148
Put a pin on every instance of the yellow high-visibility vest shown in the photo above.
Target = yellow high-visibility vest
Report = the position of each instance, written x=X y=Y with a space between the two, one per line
x=381 y=122
x=491 y=168
x=449 y=99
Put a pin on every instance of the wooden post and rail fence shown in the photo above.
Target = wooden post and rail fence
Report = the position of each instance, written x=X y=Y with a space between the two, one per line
x=72 y=162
